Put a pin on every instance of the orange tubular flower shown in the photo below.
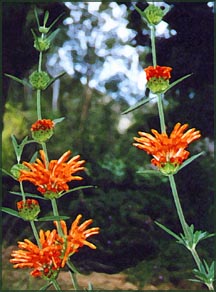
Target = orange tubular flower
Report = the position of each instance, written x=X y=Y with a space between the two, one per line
x=52 y=180
x=42 y=125
x=77 y=235
x=157 y=72
x=45 y=261
x=168 y=152
x=42 y=130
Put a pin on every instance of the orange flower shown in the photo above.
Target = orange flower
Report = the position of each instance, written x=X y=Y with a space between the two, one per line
x=157 y=72
x=77 y=235
x=168 y=152
x=55 y=250
x=53 y=179
x=44 y=124
x=45 y=261
x=28 y=209
x=42 y=130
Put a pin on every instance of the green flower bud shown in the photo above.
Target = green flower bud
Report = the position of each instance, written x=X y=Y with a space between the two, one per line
x=43 y=29
x=42 y=130
x=28 y=209
x=15 y=169
x=153 y=14
x=39 y=80
x=51 y=195
x=169 y=168
x=42 y=44
x=158 y=85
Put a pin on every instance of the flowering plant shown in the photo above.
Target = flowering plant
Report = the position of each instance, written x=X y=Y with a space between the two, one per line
x=169 y=152
x=53 y=248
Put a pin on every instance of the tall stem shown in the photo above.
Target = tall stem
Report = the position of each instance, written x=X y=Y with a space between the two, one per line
x=38 y=90
x=154 y=58
x=22 y=192
x=178 y=206
x=56 y=213
x=35 y=233
x=161 y=113
x=39 y=116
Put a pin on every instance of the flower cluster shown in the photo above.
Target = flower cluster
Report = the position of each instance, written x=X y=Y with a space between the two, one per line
x=53 y=250
x=158 y=78
x=51 y=180
x=168 y=151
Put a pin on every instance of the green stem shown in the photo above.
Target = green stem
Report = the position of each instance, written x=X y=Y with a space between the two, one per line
x=73 y=276
x=56 y=284
x=178 y=207
x=46 y=154
x=22 y=191
x=56 y=213
x=39 y=104
x=40 y=61
x=196 y=257
x=154 y=58
x=35 y=233
x=161 y=113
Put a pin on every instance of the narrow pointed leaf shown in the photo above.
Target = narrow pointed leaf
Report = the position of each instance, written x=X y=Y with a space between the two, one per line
x=177 y=81
x=34 y=157
x=46 y=16
x=142 y=14
x=189 y=160
x=54 y=22
x=23 y=82
x=53 y=218
x=55 y=78
x=28 y=195
x=137 y=105
x=78 y=189
x=36 y=16
x=10 y=211
x=7 y=173
x=168 y=231
x=59 y=120
x=72 y=268
x=53 y=34
x=45 y=286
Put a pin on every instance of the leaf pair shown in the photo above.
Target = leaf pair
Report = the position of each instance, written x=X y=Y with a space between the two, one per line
x=146 y=100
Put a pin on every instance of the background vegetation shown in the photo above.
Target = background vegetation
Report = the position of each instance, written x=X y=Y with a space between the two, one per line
x=123 y=203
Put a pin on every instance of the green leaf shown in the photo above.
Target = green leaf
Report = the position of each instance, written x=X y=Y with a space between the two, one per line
x=18 y=148
x=10 y=211
x=8 y=173
x=78 y=189
x=59 y=120
x=23 y=82
x=137 y=105
x=46 y=286
x=46 y=17
x=52 y=218
x=189 y=160
x=169 y=231
x=53 y=35
x=28 y=195
x=55 y=78
x=177 y=81
x=36 y=16
x=56 y=20
x=34 y=157
x=72 y=268
x=142 y=13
